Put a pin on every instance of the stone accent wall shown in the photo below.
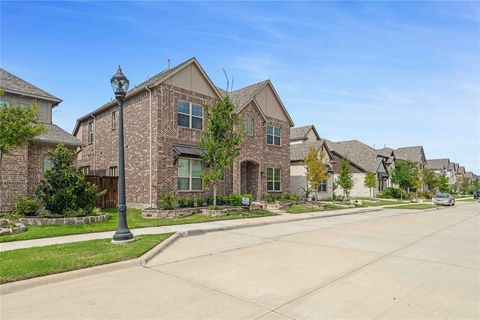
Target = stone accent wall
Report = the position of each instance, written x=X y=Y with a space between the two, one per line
x=60 y=221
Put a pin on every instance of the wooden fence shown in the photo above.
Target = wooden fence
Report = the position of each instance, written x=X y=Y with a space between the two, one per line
x=110 y=184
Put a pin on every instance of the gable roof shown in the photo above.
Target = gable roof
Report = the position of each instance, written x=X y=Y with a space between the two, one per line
x=364 y=156
x=153 y=81
x=461 y=170
x=54 y=135
x=438 y=164
x=13 y=84
x=300 y=133
x=243 y=96
x=414 y=154
x=299 y=151
x=385 y=151
x=453 y=166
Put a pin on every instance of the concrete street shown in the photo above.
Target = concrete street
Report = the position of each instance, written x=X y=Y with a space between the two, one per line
x=395 y=263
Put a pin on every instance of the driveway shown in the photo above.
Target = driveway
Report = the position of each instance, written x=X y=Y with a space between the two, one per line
x=390 y=264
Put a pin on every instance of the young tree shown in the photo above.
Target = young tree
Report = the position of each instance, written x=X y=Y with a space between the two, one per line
x=316 y=170
x=345 y=178
x=442 y=184
x=405 y=174
x=220 y=142
x=63 y=189
x=370 y=182
x=430 y=180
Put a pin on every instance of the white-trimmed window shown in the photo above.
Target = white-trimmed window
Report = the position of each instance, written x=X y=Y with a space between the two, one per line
x=47 y=163
x=274 y=179
x=322 y=187
x=85 y=170
x=189 y=115
x=273 y=135
x=189 y=174
x=90 y=132
x=113 y=171
x=249 y=126
x=114 y=120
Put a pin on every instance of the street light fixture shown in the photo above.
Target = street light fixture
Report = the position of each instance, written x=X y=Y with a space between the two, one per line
x=120 y=86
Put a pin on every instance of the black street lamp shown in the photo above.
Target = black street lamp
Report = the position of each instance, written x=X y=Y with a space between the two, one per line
x=120 y=86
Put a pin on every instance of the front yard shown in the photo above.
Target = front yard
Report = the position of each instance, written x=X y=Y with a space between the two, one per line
x=40 y=261
x=135 y=220
x=418 y=206
x=304 y=208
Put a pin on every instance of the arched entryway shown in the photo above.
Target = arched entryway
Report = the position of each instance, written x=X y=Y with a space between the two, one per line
x=249 y=173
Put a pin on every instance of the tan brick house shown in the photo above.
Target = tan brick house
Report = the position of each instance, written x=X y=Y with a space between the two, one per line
x=164 y=122
x=23 y=168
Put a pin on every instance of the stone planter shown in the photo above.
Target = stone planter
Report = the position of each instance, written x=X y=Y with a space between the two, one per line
x=7 y=227
x=59 y=221
x=212 y=213
x=169 y=214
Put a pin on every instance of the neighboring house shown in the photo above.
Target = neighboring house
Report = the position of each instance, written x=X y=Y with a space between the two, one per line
x=452 y=173
x=301 y=140
x=438 y=166
x=164 y=121
x=470 y=176
x=460 y=174
x=389 y=154
x=23 y=168
x=414 y=154
x=363 y=158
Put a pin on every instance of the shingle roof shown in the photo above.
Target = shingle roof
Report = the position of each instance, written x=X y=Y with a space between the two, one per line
x=469 y=174
x=438 y=164
x=13 y=84
x=386 y=151
x=244 y=95
x=299 y=133
x=453 y=167
x=299 y=151
x=461 y=170
x=55 y=135
x=414 y=154
x=357 y=152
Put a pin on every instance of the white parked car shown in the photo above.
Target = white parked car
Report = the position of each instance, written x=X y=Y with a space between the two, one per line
x=444 y=199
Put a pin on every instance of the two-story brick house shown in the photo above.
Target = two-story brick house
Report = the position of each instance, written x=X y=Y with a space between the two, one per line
x=164 y=120
x=23 y=168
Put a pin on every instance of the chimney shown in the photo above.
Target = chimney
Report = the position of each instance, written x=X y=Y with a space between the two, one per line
x=168 y=64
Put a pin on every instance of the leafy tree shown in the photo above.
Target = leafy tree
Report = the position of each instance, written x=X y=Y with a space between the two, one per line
x=430 y=180
x=464 y=185
x=345 y=178
x=370 y=182
x=442 y=184
x=63 y=189
x=220 y=142
x=316 y=170
x=405 y=174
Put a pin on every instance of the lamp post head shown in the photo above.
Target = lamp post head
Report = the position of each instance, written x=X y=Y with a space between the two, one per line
x=119 y=83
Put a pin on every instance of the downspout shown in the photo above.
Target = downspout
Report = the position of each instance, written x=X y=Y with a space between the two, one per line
x=94 y=143
x=150 y=147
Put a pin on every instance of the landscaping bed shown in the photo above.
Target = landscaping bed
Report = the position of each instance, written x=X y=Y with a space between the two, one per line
x=36 y=221
x=40 y=261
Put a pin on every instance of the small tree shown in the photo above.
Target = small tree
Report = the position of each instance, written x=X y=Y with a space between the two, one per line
x=370 y=182
x=430 y=180
x=345 y=178
x=63 y=189
x=220 y=142
x=316 y=170
x=442 y=184
x=405 y=174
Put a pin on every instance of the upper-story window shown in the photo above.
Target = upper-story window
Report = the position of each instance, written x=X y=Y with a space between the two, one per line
x=273 y=135
x=190 y=115
x=249 y=127
x=90 y=132
x=114 y=120
x=113 y=171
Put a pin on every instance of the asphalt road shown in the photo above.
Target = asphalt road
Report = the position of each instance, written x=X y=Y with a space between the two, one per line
x=389 y=264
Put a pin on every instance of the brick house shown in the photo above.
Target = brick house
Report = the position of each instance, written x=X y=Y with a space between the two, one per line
x=23 y=168
x=163 y=124
x=301 y=140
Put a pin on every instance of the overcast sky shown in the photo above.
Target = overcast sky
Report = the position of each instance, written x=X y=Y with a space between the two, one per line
x=395 y=74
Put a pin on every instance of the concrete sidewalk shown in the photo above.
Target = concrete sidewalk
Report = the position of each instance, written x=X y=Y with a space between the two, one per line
x=187 y=229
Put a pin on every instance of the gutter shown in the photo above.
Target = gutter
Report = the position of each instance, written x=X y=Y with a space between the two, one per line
x=150 y=147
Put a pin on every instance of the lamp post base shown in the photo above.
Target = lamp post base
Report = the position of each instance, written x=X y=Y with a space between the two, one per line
x=123 y=237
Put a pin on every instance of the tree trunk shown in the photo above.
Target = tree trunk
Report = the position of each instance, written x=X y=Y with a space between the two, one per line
x=215 y=195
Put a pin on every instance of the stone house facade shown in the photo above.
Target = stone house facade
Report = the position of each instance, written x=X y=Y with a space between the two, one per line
x=163 y=123
x=23 y=168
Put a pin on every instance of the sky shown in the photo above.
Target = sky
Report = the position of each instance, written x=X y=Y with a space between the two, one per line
x=385 y=73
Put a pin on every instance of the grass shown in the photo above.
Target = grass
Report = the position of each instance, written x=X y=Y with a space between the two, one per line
x=379 y=203
x=302 y=208
x=40 y=261
x=135 y=220
x=469 y=200
x=418 y=206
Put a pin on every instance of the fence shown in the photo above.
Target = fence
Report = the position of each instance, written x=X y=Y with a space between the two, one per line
x=110 y=184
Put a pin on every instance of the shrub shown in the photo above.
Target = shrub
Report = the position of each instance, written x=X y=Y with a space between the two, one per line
x=182 y=202
x=393 y=193
x=198 y=201
x=235 y=200
x=191 y=202
x=426 y=194
x=222 y=200
x=166 y=200
x=63 y=187
x=26 y=206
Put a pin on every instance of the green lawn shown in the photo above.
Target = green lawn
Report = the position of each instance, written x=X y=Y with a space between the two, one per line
x=469 y=200
x=135 y=220
x=418 y=206
x=40 y=261
x=379 y=203
x=302 y=208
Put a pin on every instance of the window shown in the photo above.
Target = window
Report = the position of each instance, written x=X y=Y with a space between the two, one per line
x=114 y=120
x=273 y=179
x=85 y=170
x=273 y=135
x=47 y=164
x=113 y=171
x=249 y=126
x=189 y=115
x=188 y=175
x=90 y=132
x=323 y=186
